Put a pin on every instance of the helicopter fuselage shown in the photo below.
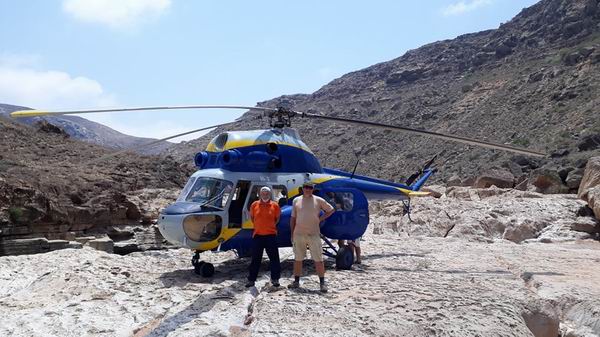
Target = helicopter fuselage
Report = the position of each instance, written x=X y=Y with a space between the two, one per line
x=212 y=211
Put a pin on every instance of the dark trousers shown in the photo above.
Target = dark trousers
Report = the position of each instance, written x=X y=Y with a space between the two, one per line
x=268 y=243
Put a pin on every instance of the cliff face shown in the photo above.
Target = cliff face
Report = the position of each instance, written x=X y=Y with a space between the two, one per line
x=532 y=82
x=49 y=188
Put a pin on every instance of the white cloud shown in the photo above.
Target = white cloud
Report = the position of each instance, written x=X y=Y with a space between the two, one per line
x=22 y=84
x=117 y=14
x=463 y=6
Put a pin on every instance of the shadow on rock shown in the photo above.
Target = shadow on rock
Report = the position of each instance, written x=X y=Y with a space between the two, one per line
x=204 y=303
x=384 y=255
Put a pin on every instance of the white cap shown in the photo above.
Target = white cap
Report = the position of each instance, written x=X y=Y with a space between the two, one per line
x=265 y=188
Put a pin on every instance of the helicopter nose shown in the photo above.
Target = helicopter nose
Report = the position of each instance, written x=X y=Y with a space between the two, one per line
x=171 y=228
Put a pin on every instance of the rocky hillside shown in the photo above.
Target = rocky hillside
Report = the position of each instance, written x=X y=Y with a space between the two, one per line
x=49 y=189
x=533 y=82
x=86 y=130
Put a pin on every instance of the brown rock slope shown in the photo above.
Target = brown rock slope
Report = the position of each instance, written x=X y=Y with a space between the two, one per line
x=533 y=82
x=48 y=190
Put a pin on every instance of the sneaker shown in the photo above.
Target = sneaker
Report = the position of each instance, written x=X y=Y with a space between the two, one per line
x=250 y=284
x=323 y=288
x=275 y=283
x=294 y=285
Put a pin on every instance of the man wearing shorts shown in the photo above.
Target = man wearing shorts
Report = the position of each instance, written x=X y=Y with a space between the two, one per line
x=306 y=231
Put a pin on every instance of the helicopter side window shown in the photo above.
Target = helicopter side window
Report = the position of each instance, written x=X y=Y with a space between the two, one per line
x=341 y=201
x=278 y=192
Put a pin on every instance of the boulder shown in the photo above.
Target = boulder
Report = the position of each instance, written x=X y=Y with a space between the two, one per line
x=503 y=50
x=104 y=244
x=542 y=319
x=525 y=162
x=521 y=231
x=119 y=234
x=58 y=244
x=405 y=76
x=588 y=143
x=24 y=246
x=44 y=126
x=496 y=177
x=585 y=314
x=454 y=181
x=593 y=199
x=585 y=225
x=126 y=247
x=547 y=181
x=574 y=178
x=589 y=188
x=522 y=182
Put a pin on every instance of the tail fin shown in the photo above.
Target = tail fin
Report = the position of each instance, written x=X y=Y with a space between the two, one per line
x=422 y=175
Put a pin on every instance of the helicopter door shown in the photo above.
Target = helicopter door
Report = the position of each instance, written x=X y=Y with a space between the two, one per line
x=351 y=216
x=237 y=203
x=278 y=192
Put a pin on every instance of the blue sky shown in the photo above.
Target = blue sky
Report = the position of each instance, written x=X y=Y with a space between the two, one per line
x=59 y=54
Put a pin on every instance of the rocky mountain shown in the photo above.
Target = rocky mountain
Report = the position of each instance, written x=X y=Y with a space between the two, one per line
x=50 y=189
x=532 y=82
x=86 y=130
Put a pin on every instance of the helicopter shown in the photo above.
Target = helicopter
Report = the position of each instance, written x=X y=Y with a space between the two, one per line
x=212 y=210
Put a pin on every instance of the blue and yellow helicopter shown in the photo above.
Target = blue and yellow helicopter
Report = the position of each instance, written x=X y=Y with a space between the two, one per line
x=212 y=210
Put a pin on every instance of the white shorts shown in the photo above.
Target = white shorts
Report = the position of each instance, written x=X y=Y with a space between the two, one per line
x=356 y=241
x=314 y=245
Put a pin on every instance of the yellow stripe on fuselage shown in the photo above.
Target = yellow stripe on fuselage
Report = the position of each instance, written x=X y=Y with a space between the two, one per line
x=294 y=191
x=411 y=193
x=226 y=234
x=234 y=144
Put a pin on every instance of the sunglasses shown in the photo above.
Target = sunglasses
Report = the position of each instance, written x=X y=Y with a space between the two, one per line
x=308 y=187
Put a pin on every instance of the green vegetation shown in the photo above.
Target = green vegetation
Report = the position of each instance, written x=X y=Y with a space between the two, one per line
x=15 y=214
x=521 y=141
x=565 y=134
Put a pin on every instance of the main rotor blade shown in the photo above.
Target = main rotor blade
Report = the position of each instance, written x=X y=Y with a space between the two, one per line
x=116 y=153
x=34 y=113
x=459 y=139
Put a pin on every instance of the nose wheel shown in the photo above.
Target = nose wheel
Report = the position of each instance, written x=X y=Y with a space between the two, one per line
x=204 y=269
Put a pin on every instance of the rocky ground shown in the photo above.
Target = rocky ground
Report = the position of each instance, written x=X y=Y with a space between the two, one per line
x=453 y=271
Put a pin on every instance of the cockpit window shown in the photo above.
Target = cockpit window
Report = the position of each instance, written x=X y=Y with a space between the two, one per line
x=207 y=191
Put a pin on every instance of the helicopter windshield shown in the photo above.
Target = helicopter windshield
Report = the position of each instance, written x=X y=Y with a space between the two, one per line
x=207 y=191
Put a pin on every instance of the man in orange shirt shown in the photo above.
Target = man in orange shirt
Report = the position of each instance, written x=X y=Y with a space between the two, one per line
x=265 y=216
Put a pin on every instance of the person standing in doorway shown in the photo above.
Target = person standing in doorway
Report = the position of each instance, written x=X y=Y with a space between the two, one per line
x=306 y=231
x=265 y=215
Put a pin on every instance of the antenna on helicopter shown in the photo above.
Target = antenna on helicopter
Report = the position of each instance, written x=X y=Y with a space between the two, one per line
x=357 y=155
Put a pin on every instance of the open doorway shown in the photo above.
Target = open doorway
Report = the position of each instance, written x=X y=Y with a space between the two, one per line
x=237 y=203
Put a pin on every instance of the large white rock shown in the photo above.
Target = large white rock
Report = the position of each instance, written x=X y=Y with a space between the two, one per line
x=589 y=189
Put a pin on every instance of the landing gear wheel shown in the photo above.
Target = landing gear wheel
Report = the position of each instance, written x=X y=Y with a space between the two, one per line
x=344 y=258
x=196 y=259
x=205 y=269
